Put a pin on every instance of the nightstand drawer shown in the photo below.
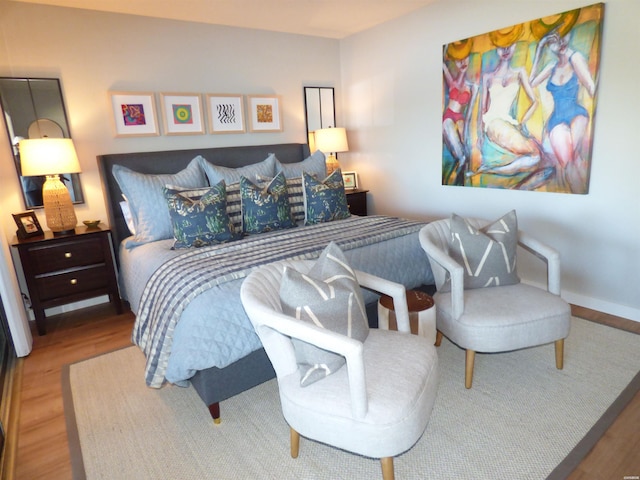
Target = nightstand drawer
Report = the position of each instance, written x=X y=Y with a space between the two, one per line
x=72 y=283
x=62 y=256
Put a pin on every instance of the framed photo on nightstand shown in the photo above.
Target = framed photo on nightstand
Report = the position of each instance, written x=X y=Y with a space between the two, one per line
x=28 y=225
x=350 y=180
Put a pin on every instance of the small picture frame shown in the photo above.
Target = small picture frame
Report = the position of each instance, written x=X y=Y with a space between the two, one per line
x=350 y=180
x=182 y=114
x=28 y=225
x=134 y=114
x=226 y=113
x=265 y=113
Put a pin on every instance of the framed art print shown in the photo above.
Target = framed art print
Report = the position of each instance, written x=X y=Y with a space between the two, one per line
x=226 y=113
x=265 y=113
x=28 y=225
x=350 y=180
x=134 y=114
x=181 y=114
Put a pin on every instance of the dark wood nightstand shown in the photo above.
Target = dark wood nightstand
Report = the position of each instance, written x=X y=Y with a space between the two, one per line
x=68 y=268
x=357 y=200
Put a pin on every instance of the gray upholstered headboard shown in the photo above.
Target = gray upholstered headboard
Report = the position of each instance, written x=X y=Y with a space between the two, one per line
x=175 y=160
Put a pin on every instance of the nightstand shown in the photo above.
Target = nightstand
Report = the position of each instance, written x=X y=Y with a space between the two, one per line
x=68 y=268
x=357 y=200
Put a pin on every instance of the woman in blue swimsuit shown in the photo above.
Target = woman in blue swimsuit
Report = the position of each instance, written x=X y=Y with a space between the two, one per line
x=568 y=123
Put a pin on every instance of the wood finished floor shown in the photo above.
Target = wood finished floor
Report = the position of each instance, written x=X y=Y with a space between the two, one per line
x=42 y=445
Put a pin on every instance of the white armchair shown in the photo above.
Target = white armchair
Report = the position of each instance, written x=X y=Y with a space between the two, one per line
x=499 y=318
x=378 y=405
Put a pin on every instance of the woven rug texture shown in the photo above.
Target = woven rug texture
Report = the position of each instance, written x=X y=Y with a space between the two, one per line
x=520 y=420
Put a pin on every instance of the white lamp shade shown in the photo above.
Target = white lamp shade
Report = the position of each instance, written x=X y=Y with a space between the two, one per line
x=48 y=156
x=331 y=140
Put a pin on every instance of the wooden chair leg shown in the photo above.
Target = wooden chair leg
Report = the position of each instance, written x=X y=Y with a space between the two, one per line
x=438 y=338
x=560 y=354
x=387 y=468
x=295 y=442
x=468 y=373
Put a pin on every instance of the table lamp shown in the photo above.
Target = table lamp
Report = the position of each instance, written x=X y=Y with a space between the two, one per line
x=332 y=140
x=51 y=157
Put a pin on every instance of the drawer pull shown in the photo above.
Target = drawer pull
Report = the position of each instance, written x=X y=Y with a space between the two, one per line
x=74 y=281
x=67 y=255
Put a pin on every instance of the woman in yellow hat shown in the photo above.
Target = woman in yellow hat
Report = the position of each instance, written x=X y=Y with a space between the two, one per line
x=456 y=117
x=565 y=77
x=498 y=120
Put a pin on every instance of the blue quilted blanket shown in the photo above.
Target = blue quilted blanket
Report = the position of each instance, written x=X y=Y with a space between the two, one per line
x=179 y=280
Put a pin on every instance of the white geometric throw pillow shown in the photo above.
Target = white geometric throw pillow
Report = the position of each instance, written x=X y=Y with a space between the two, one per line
x=328 y=296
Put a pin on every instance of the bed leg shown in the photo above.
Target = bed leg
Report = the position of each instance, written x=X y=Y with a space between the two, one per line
x=214 y=410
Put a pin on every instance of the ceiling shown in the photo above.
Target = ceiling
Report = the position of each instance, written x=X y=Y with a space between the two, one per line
x=323 y=18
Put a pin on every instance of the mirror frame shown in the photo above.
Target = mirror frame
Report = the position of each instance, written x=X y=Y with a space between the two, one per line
x=319 y=109
x=34 y=108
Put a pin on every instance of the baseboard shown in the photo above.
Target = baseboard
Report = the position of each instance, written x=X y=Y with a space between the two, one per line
x=603 y=306
x=12 y=418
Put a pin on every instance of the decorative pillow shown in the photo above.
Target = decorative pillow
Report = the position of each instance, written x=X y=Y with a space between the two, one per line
x=324 y=201
x=145 y=195
x=215 y=173
x=488 y=255
x=313 y=165
x=199 y=217
x=265 y=208
x=295 y=195
x=329 y=296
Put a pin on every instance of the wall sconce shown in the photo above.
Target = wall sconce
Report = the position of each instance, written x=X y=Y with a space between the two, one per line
x=332 y=140
x=51 y=157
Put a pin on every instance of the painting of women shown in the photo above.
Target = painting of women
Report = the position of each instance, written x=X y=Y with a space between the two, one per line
x=531 y=125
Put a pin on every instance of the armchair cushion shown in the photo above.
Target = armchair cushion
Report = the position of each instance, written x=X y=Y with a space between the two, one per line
x=329 y=297
x=487 y=255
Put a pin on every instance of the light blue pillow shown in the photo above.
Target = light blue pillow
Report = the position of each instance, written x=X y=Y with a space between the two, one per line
x=265 y=207
x=215 y=173
x=313 y=165
x=199 y=217
x=144 y=193
x=324 y=201
x=329 y=296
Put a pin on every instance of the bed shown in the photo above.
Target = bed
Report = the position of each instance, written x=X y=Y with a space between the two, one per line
x=189 y=319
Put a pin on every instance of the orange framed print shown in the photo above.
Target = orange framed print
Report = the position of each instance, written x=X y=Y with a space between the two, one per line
x=265 y=113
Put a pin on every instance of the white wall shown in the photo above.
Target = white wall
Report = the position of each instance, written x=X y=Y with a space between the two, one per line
x=392 y=85
x=93 y=53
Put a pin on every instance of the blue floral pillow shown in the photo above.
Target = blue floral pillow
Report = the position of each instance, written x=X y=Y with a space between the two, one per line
x=265 y=207
x=199 y=217
x=324 y=201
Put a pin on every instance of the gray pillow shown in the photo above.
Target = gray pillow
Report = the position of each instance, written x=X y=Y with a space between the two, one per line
x=145 y=195
x=488 y=255
x=313 y=165
x=215 y=173
x=328 y=296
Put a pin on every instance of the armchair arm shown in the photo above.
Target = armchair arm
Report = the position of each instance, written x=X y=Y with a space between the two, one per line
x=454 y=269
x=546 y=254
x=395 y=290
x=349 y=348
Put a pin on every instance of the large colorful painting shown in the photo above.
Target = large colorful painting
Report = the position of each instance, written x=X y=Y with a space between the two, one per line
x=519 y=104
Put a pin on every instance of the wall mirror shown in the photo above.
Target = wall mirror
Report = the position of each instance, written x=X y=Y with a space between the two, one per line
x=33 y=108
x=320 y=110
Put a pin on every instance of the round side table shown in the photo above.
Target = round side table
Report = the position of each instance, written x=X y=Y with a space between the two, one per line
x=422 y=314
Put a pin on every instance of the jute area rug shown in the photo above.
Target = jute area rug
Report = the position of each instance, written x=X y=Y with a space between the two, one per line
x=522 y=419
